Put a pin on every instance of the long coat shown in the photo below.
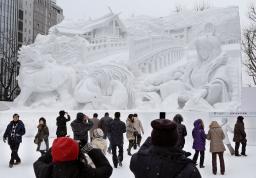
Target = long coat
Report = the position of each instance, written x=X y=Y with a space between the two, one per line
x=19 y=132
x=44 y=168
x=116 y=129
x=199 y=136
x=130 y=130
x=162 y=162
x=239 y=132
x=216 y=137
x=61 y=125
x=42 y=135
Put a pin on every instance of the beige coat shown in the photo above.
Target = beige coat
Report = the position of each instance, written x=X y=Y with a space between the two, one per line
x=216 y=137
x=130 y=130
x=138 y=126
x=101 y=144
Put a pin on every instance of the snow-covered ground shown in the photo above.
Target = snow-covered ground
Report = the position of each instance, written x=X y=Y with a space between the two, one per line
x=234 y=165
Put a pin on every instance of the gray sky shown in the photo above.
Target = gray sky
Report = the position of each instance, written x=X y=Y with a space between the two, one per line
x=78 y=9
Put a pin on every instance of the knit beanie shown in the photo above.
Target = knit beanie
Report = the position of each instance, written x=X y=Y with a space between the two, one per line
x=164 y=133
x=64 y=149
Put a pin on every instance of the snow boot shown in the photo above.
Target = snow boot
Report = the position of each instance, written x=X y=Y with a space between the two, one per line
x=10 y=165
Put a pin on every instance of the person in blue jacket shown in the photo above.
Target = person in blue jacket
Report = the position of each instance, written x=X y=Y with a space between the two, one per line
x=13 y=133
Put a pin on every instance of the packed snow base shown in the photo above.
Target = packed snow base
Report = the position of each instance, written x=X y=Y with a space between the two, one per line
x=28 y=154
x=140 y=63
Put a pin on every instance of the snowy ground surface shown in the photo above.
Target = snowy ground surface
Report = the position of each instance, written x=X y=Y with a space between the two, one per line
x=235 y=167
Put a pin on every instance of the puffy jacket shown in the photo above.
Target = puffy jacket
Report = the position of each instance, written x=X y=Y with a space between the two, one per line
x=104 y=125
x=162 y=162
x=61 y=125
x=80 y=129
x=199 y=136
x=19 y=132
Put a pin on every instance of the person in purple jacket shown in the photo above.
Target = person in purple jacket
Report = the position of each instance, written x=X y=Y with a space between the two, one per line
x=199 y=137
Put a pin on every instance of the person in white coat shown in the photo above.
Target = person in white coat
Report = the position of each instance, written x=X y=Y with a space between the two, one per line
x=226 y=128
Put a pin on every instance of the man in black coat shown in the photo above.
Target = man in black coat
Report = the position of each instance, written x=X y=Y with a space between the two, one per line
x=104 y=126
x=159 y=156
x=65 y=159
x=61 y=124
x=14 y=132
x=116 y=129
x=240 y=136
x=80 y=128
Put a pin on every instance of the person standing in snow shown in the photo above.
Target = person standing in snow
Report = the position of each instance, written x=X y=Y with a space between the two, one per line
x=226 y=128
x=104 y=126
x=216 y=137
x=182 y=131
x=199 y=137
x=95 y=122
x=139 y=128
x=159 y=157
x=42 y=137
x=116 y=129
x=98 y=141
x=62 y=124
x=240 y=136
x=66 y=159
x=13 y=133
x=131 y=133
x=80 y=127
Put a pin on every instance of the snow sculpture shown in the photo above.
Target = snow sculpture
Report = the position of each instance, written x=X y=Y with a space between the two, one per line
x=106 y=87
x=202 y=83
x=226 y=128
x=40 y=74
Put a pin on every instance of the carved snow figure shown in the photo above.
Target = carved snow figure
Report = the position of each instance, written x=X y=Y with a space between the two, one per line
x=106 y=87
x=41 y=75
x=203 y=83
x=226 y=128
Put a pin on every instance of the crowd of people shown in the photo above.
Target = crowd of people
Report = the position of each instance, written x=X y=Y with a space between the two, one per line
x=161 y=155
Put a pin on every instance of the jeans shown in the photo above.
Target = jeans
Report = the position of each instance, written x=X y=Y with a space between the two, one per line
x=14 y=155
x=117 y=158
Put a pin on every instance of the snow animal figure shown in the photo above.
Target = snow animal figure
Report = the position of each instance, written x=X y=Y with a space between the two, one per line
x=226 y=128
x=204 y=82
x=106 y=87
x=40 y=74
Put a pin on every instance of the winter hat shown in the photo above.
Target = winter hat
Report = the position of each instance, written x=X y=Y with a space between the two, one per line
x=240 y=118
x=164 y=132
x=64 y=149
x=98 y=133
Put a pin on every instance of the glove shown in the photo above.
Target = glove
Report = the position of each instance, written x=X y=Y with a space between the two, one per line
x=87 y=148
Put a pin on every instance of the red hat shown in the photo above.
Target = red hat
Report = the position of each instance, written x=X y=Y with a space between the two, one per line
x=64 y=149
x=164 y=133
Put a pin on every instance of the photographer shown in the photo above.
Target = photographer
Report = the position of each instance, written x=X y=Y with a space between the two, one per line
x=65 y=158
x=159 y=156
x=61 y=124
x=80 y=128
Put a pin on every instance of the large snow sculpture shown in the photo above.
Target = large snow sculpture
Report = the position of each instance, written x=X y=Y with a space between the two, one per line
x=106 y=87
x=203 y=83
x=40 y=74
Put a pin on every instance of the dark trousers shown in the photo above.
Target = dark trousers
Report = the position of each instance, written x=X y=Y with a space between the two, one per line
x=201 y=157
x=132 y=143
x=14 y=156
x=214 y=162
x=237 y=148
x=117 y=158
x=138 y=139
x=109 y=147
